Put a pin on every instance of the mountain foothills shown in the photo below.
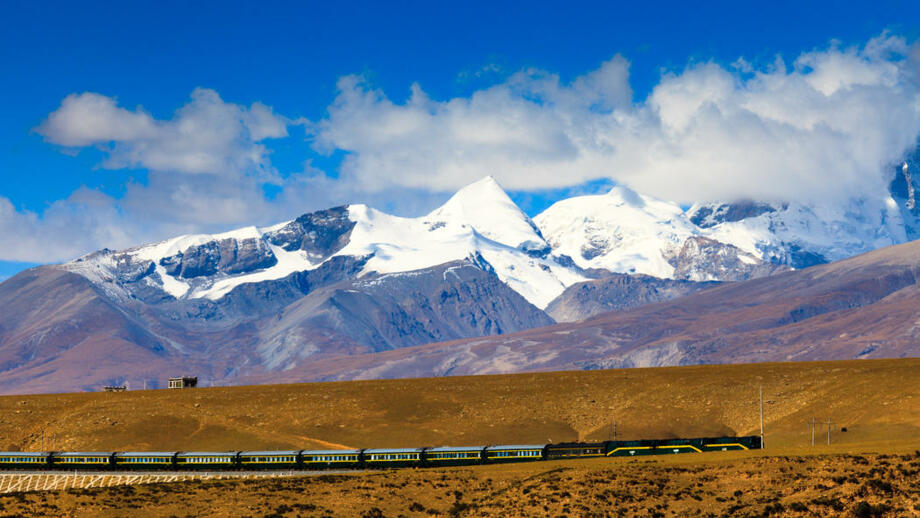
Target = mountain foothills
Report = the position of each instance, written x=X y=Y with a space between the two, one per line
x=618 y=279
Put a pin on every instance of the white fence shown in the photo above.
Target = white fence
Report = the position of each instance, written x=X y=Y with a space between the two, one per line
x=18 y=482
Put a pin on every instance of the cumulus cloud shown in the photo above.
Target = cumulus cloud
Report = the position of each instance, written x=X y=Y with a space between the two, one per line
x=66 y=229
x=829 y=126
x=207 y=166
x=206 y=136
x=826 y=124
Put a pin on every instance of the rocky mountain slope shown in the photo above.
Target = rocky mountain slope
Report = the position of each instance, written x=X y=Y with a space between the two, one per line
x=480 y=220
x=93 y=339
x=617 y=292
x=863 y=307
x=352 y=280
x=627 y=232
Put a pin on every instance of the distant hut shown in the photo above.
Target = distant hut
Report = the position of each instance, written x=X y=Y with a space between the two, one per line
x=112 y=388
x=183 y=382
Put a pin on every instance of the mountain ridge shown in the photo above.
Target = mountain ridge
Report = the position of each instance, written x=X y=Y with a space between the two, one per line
x=862 y=307
x=259 y=301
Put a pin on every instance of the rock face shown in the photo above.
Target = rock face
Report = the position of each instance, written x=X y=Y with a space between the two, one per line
x=227 y=256
x=703 y=259
x=256 y=328
x=447 y=302
x=618 y=292
x=863 y=307
x=320 y=234
x=904 y=186
x=355 y=282
x=708 y=216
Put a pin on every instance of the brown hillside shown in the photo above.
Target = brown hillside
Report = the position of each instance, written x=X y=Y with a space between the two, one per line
x=673 y=486
x=863 y=307
x=876 y=400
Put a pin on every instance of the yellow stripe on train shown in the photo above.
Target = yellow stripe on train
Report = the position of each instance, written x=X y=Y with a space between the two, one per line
x=628 y=448
x=666 y=447
x=743 y=447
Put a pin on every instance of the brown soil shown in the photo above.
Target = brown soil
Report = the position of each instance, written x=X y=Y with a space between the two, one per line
x=870 y=468
x=875 y=400
x=684 y=485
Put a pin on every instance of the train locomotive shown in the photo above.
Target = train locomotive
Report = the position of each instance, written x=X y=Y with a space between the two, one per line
x=364 y=458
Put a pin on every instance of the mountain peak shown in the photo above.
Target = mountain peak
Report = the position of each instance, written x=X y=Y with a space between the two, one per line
x=487 y=208
x=485 y=190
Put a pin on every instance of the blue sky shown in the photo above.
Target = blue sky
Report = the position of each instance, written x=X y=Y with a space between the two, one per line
x=68 y=192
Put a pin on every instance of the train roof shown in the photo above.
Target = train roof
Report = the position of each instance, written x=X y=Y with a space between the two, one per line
x=145 y=453
x=205 y=453
x=23 y=453
x=82 y=453
x=577 y=444
x=394 y=450
x=270 y=453
x=330 y=452
x=456 y=448
x=516 y=447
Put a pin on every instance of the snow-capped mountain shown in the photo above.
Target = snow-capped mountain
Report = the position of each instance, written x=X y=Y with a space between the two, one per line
x=480 y=221
x=353 y=280
x=621 y=231
x=626 y=232
x=803 y=235
x=572 y=241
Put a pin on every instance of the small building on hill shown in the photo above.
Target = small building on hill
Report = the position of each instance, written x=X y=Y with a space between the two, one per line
x=183 y=382
x=121 y=388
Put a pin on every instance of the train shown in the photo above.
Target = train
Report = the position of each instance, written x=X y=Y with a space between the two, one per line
x=363 y=458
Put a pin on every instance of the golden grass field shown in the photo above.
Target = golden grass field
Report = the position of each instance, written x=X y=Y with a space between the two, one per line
x=872 y=464
x=712 y=484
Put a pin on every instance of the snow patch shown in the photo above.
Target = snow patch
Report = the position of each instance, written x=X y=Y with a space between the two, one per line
x=288 y=263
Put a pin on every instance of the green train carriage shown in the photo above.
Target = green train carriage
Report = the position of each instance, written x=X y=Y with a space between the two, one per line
x=515 y=453
x=18 y=460
x=392 y=457
x=145 y=460
x=454 y=455
x=289 y=459
x=330 y=459
x=207 y=460
x=82 y=460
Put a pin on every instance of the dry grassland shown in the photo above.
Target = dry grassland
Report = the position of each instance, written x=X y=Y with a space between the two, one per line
x=813 y=486
x=874 y=399
x=870 y=470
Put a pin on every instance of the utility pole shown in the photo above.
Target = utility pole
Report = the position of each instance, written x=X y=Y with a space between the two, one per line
x=812 y=432
x=828 y=431
x=53 y=441
x=43 y=439
x=614 y=430
x=762 y=445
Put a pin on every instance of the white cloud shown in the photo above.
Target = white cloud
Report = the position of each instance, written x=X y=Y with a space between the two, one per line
x=207 y=167
x=171 y=204
x=66 y=229
x=206 y=136
x=830 y=126
x=89 y=118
